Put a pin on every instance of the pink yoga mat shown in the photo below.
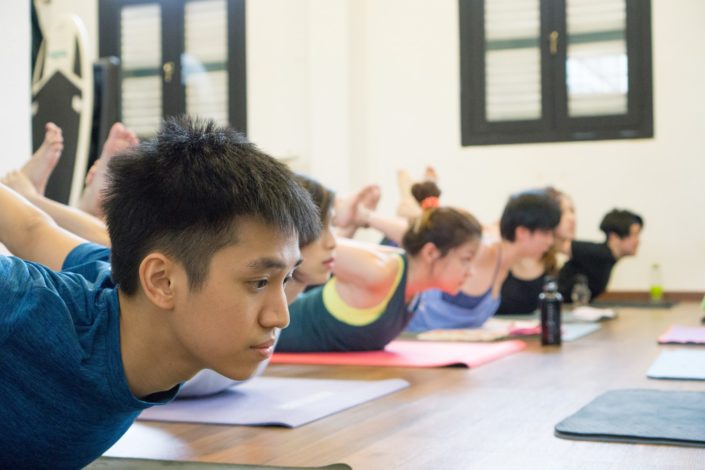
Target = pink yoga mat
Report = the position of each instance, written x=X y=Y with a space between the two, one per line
x=680 y=334
x=410 y=354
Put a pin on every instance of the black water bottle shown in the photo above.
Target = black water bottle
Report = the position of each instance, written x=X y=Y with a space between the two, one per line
x=550 y=301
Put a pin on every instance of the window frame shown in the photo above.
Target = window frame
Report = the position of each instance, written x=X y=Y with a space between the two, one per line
x=174 y=93
x=554 y=125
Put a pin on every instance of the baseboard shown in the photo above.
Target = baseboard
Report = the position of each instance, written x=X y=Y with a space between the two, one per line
x=676 y=296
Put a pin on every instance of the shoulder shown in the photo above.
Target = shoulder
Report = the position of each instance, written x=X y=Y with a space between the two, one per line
x=27 y=286
x=488 y=252
x=92 y=262
x=588 y=248
x=86 y=252
x=31 y=295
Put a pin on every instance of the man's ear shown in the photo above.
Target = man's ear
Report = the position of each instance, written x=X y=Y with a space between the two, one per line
x=157 y=277
x=430 y=252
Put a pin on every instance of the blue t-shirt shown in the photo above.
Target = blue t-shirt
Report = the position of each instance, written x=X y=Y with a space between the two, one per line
x=64 y=398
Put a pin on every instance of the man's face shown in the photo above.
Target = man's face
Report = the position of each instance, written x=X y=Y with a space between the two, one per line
x=628 y=245
x=229 y=324
x=534 y=243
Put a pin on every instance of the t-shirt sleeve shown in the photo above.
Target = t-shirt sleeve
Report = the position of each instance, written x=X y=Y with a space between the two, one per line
x=90 y=260
x=31 y=292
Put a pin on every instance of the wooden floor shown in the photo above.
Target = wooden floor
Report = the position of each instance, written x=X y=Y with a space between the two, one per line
x=500 y=415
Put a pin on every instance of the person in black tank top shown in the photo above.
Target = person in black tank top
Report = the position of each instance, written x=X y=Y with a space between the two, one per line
x=524 y=283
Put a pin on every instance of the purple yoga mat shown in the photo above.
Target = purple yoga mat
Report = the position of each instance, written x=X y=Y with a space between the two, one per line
x=274 y=401
x=679 y=334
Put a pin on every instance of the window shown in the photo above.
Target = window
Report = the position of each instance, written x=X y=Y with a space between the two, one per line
x=555 y=70
x=177 y=56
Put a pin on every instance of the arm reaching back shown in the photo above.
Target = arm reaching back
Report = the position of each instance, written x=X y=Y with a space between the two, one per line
x=31 y=234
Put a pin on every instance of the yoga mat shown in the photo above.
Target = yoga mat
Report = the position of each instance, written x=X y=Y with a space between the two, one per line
x=679 y=334
x=274 y=401
x=680 y=365
x=633 y=303
x=640 y=417
x=111 y=463
x=573 y=331
x=586 y=313
x=497 y=329
x=410 y=354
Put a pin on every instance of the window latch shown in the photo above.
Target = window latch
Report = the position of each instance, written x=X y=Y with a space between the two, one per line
x=553 y=42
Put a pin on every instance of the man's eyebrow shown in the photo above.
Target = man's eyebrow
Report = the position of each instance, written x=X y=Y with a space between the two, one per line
x=266 y=263
x=261 y=264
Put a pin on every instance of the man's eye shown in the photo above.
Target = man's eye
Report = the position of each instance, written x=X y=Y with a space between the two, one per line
x=261 y=284
x=288 y=278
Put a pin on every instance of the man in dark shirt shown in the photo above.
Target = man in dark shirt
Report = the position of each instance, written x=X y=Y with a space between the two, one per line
x=596 y=260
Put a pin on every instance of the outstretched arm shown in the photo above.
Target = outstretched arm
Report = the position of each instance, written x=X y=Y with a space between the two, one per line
x=76 y=221
x=31 y=234
x=364 y=272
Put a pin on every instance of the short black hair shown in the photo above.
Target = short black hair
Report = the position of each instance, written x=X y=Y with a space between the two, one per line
x=322 y=197
x=184 y=192
x=619 y=221
x=534 y=210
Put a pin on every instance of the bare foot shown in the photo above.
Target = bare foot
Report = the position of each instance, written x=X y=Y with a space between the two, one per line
x=407 y=207
x=404 y=183
x=346 y=207
x=20 y=183
x=38 y=169
x=430 y=174
x=370 y=196
x=119 y=140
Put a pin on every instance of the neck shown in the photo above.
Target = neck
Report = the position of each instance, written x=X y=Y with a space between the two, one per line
x=417 y=279
x=509 y=253
x=613 y=245
x=152 y=359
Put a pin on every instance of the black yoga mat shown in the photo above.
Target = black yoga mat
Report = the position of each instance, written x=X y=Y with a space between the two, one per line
x=640 y=417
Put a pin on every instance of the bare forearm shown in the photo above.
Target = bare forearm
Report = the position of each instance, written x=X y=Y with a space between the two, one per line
x=393 y=227
x=31 y=234
x=76 y=221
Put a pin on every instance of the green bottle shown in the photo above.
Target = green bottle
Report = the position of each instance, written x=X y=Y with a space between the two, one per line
x=656 y=289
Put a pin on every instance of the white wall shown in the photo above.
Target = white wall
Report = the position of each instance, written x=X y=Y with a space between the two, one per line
x=351 y=90
x=411 y=119
x=15 y=35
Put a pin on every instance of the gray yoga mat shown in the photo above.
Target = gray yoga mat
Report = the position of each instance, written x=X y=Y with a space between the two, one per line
x=274 y=401
x=640 y=417
x=680 y=364
x=114 y=463
x=573 y=331
x=633 y=303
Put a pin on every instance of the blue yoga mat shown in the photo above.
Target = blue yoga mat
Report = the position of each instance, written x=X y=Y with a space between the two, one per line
x=681 y=364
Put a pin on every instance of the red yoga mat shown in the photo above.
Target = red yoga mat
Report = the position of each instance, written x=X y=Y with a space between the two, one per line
x=410 y=354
